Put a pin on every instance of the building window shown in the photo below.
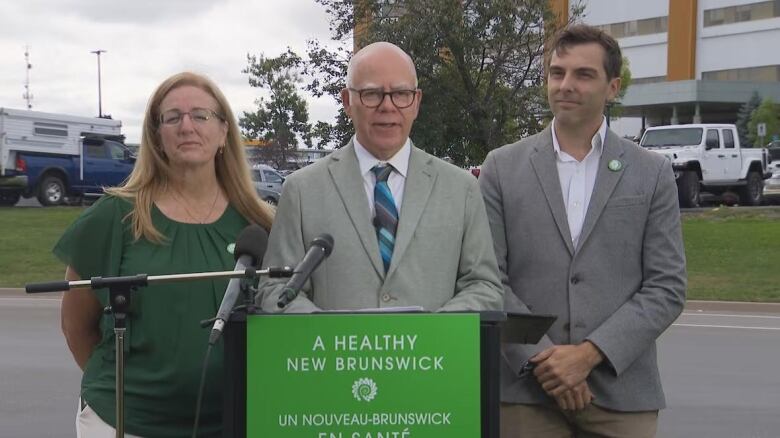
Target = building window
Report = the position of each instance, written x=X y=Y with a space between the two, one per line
x=648 y=80
x=766 y=73
x=54 y=129
x=647 y=26
x=740 y=13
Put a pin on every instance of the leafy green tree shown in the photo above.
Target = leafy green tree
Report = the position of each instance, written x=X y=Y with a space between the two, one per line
x=479 y=64
x=615 y=109
x=743 y=117
x=765 y=113
x=327 y=71
x=283 y=117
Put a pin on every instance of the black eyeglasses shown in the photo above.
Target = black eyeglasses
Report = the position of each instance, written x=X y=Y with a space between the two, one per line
x=197 y=115
x=373 y=97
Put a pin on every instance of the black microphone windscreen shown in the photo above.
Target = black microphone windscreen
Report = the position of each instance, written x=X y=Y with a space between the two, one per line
x=324 y=241
x=252 y=241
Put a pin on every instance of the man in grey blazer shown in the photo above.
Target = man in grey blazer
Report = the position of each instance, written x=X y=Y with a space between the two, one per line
x=435 y=250
x=586 y=227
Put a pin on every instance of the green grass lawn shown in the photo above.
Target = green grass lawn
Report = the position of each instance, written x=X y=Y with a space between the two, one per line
x=733 y=254
x=27 y=236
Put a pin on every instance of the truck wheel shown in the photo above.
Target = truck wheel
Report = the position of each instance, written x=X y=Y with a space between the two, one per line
x=9 y=199
x=51 y=191
x=752 y=193
x=689 y=189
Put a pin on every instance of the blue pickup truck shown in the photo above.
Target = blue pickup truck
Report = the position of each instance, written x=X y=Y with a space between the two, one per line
x=58 y=158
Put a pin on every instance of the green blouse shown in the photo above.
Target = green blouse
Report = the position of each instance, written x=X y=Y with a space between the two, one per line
x=164 y=344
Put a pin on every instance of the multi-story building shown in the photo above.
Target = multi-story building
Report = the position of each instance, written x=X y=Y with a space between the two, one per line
x=691 y=60
x=300 y=157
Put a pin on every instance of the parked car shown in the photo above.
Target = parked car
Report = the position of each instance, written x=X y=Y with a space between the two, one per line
x=268 y=183
x=708 y=158
x=772 y=185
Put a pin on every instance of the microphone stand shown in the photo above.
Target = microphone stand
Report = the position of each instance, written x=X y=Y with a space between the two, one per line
x=119 y=294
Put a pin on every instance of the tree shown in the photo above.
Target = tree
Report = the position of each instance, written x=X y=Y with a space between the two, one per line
x=327 y=72
x=743 y=117
x=615 y=108
x=284 y=116
x=765 y=113
x=479 y=64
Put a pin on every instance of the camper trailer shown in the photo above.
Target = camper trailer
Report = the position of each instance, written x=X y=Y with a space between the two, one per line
x=58 y=157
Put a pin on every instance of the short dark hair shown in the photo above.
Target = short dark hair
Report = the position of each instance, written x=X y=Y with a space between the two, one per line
x=577 y=34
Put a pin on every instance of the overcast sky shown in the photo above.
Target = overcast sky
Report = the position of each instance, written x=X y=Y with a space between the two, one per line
x=145 y=42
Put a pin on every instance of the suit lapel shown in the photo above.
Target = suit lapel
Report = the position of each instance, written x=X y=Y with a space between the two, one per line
x=606 y=180
x=543 y=163
x=417 y=188
x=345 y=171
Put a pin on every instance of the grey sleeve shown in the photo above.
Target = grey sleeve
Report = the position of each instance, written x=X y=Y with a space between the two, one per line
x=286 y=247
x=490 y=184
x=661 y=297
x=477 y=286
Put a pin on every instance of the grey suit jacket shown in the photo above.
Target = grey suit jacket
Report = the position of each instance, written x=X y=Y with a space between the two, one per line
x=620 y=288
x=443 y=257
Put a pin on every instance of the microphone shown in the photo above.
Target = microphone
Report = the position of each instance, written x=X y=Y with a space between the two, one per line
x=250 y=248
x=320 y=248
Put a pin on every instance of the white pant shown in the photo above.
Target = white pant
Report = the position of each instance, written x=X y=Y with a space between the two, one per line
x=89 y=425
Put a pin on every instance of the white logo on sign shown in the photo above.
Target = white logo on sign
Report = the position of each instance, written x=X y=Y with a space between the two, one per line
x=364 y=389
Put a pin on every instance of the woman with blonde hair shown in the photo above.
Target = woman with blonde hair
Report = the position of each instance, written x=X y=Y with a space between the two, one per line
x=180 y=210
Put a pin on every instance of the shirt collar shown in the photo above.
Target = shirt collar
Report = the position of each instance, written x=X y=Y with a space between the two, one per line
x=597 y=146
x=399 y=161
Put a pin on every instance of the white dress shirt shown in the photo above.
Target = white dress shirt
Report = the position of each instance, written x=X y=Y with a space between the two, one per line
x=578 y=179
x=397 y=178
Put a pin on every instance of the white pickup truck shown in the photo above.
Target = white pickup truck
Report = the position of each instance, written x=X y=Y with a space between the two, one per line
x=708 y=158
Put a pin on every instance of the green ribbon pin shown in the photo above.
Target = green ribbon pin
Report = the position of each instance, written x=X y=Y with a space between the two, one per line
x=615 y=165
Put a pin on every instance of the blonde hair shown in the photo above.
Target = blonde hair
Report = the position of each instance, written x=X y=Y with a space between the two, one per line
x=150 y=176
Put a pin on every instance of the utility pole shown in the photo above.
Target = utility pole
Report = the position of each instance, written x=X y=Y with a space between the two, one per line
x=100 y=96
x=27 y=94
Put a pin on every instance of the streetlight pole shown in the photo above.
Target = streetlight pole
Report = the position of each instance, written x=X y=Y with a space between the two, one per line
x=100 y=97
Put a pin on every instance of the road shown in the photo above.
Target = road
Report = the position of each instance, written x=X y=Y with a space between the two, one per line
x=718 y=362
x=720 y=373
x=39 y=382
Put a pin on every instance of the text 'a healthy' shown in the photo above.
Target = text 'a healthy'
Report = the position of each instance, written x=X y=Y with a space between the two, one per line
x=368 y=343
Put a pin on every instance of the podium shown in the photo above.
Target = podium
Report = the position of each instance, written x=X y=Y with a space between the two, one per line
x=368 y=374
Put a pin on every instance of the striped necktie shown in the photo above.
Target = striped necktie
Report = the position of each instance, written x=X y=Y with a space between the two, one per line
x=385 y=213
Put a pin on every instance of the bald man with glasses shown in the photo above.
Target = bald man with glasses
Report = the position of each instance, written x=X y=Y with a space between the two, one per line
x=409 y=228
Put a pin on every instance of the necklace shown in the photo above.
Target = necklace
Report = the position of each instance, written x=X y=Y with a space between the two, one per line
x=180 y=200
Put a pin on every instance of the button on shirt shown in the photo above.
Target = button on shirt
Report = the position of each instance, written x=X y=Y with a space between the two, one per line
x=578 y=179
x=397 y=178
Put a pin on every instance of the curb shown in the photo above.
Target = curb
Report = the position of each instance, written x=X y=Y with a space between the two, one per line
x=690 y=306
x=18 y=292
x=732 y=306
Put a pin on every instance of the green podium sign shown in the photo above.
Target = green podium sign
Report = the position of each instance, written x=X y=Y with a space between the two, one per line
x=363 y=376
